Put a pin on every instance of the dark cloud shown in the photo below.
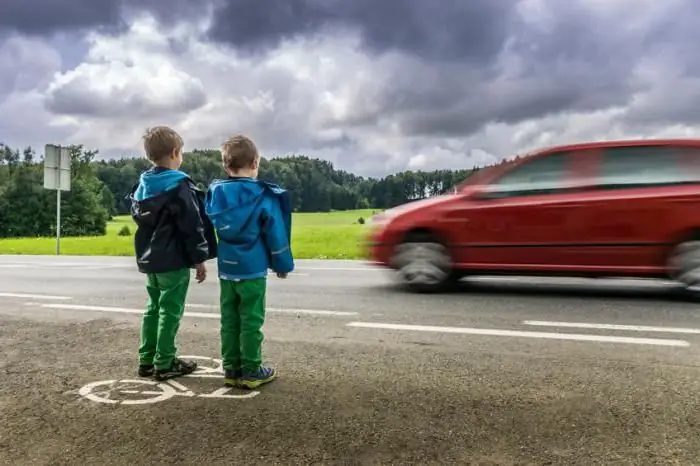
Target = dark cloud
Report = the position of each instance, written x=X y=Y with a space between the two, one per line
x=25 y=65
x=461 y=64
x=471 y=30
x=76 y=98
x=46 y=17
x=580 y=61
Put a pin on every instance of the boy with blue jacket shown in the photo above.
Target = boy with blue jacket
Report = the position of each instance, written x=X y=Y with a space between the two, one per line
x=253 y=221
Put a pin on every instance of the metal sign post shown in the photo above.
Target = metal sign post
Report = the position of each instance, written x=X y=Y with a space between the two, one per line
x=57 y=176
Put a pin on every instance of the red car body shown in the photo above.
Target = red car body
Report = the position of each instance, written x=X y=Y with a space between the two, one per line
x=598 y=209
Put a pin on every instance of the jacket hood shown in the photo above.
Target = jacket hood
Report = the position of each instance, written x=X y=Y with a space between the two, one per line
x=238 y=198
x=157 y=181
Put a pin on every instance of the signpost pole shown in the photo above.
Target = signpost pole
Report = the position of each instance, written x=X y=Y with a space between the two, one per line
x=58 y=215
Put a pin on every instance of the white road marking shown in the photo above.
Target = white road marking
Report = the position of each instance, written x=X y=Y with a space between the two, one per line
x=203 y=315
x=183 y=390
x=321 y=312
x=341 y=269
x=630 y=328
x=34 y=296
x=62 y=265
x=611 y=282
x=101 y=392
x=516 y=333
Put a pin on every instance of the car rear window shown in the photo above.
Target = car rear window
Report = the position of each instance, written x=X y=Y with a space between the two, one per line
x=641 y=166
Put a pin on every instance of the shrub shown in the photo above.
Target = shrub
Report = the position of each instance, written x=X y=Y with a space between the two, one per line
x=361 y=220
x=125 y=231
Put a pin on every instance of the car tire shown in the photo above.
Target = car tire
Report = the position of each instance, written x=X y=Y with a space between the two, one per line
x=424 y=265
x=684 y=265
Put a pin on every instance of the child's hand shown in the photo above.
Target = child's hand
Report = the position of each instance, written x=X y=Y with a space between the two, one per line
x=201 y=272
x=282 y=275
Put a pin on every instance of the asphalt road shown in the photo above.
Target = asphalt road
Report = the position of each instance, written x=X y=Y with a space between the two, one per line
x=506 y=371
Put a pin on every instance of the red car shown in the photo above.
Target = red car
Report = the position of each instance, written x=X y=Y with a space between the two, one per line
x=622 y=209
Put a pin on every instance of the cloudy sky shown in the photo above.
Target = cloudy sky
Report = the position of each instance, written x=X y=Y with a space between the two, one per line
x=375 y=86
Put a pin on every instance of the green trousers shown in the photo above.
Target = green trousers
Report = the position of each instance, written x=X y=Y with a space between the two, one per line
x=167 y=293
x=242 y=318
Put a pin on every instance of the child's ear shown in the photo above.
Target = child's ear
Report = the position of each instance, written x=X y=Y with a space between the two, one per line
x=256 y=163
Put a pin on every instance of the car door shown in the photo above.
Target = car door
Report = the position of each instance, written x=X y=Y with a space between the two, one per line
x=644 y=197
x=526 y=218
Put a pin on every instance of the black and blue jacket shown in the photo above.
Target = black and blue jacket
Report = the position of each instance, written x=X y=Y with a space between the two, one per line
x=173 y=231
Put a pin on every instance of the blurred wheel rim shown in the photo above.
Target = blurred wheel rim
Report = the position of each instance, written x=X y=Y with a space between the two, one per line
x=684 y=264
x=422 y=263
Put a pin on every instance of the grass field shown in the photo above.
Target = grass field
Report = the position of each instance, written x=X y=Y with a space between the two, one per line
x=333 y=235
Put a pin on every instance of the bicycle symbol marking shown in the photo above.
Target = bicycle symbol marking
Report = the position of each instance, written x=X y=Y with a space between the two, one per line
x=141 y=391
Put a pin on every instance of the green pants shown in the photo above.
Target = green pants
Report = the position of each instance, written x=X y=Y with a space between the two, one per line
x=167 y=293
x=242 y=318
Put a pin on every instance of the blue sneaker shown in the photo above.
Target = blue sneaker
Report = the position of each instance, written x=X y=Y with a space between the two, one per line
x=261 y=377
x=232 y=377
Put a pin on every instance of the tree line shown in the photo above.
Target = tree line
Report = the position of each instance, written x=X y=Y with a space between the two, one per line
x=100 y=188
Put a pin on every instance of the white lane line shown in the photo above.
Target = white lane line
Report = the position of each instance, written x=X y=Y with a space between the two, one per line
x=34 y=296
x=341 y=269
x=58 y=267
x=522 y=334
x=119 y=310
x=629 y=328
x=61 y=264
x=203 y=315
x=320 y=312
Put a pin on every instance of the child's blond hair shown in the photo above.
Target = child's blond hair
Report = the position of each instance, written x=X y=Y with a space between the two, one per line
x=238 y=153
x=160 y=142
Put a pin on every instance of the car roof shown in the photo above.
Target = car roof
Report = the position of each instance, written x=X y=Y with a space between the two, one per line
x=618 y=143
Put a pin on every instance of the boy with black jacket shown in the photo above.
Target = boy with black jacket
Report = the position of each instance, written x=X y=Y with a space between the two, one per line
x=173 y=235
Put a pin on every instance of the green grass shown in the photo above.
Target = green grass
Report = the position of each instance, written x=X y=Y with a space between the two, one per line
x=333 y=235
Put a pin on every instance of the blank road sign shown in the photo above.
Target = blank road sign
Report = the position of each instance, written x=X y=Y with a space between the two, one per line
x=52 y=178
x=57 y=157
x=57 y=167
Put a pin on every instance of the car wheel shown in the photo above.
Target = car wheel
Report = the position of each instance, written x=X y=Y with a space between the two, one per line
x=684 y=265
x=424 y=265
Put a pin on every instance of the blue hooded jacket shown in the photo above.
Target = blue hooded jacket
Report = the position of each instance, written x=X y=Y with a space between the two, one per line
x=156 y=181
x=253 y=220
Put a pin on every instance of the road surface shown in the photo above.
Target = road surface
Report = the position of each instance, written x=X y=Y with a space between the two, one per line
x=506 y=371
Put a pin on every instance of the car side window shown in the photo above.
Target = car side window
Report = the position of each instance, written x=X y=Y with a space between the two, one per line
x=644 y=166
x=541 y=175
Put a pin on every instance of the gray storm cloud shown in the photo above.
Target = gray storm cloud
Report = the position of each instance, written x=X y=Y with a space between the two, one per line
x=444 y=68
